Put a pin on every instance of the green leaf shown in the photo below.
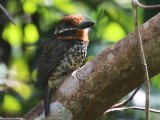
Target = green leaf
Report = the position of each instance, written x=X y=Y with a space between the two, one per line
x=13 y=34
x=29 y=7
x=65 y=6
x=31 y=34
x=113 y=32
x=21 y=67
x=11 y=104
x=27 y=91
x=34 y=75
x=156 y=81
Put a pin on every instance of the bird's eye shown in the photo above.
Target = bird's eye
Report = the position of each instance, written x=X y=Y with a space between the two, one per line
x=68 y=24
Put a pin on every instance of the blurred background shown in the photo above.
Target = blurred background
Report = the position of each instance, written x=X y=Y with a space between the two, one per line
x=21 y=45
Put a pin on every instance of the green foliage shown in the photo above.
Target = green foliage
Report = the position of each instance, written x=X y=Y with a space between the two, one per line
x=35 y=23
x=156 y=81
x=31 y=34
x=13 y=34
x=9 y=106
x=19 y=63
x=29 y=7
x=113 y=32
x=27 y=90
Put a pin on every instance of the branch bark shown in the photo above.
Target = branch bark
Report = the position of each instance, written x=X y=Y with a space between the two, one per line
x=106 y=79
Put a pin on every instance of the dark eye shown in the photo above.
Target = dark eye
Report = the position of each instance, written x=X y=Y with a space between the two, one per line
x=68 y=24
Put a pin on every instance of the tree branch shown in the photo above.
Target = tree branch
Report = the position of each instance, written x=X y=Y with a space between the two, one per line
x=125 y=102
x=137 y=3
x=103 y=81
x=132 y=107
x=7 y=14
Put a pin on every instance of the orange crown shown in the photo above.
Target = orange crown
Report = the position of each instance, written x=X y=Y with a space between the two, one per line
x=76 y=19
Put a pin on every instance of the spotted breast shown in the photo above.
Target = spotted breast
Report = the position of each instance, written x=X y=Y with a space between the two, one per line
x=71 y=61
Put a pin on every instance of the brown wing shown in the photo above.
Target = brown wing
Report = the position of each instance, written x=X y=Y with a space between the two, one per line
x=53 y=52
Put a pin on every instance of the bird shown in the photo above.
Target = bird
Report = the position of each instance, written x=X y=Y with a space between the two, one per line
x=63 y=54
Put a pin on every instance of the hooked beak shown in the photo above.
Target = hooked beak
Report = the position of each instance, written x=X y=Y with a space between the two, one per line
x=85 y=24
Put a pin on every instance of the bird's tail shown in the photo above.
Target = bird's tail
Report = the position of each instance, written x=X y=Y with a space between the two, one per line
x=46 y=100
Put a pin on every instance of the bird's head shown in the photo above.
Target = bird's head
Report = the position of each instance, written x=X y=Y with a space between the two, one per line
x=73 y=27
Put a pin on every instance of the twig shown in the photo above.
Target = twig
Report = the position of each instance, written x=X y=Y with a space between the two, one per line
x=137 y=3
x=7 y=14
x=132 y=107
x=143 y=60
x=125 y=102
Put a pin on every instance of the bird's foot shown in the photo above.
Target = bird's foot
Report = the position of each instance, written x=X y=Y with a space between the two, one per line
x=74 y=73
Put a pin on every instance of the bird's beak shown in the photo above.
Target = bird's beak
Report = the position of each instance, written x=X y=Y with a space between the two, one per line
x=85 y=24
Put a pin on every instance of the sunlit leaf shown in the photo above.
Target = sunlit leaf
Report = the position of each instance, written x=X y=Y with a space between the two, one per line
x=126 y=3
x=156 y=81
x=65 y=6
x=27 y=91
x=13 y=34
x=56 y=2
x=34 y=75
x=101 y=26
x=29 y=7
x=111 y=9
x=31 y=33
x=21 y=67
x=30 y=52
x=11 y=104
x=89 y=58
x=113 y=32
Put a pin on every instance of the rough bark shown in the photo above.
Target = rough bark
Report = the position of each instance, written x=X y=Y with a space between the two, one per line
x=106 y=79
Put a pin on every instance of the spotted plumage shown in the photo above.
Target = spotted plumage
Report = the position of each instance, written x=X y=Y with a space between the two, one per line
x=67 y=57
x=64 y=53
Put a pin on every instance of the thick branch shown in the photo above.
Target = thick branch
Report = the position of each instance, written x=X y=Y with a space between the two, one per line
x=106 y=79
